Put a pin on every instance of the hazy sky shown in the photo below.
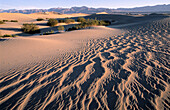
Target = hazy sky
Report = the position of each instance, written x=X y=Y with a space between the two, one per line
x=44 y=4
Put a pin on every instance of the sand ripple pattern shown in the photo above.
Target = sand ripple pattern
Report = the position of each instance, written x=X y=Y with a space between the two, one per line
x=128 y=71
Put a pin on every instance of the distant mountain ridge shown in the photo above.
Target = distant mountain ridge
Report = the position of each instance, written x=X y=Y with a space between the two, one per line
x=84 y=9
x=148 y=8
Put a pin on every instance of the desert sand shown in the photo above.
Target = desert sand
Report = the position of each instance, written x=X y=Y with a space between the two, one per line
x=121 y=67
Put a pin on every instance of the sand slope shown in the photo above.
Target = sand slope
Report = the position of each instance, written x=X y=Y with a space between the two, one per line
x=32 y=17
x=103 y=68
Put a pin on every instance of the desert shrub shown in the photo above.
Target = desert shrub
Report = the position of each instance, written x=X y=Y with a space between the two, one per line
x=5 y=20
x=60 y=28
x=104 y=23
x=40 y=19
x=81 y=19
x=94 y=22
x=77 y=27
x=7 y=35
x=14 y=20
x=52 y=22
x=72 y=28
x=30 y=28
x=69 y=20
x=49 y=32
x=1 y=22
x=61 y=21
x=88 y=23
x=107 y=22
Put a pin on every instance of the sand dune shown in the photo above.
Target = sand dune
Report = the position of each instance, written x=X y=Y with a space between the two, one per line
x=16 y=16
x=15 y=27
x=123 y=67
x=32 y=17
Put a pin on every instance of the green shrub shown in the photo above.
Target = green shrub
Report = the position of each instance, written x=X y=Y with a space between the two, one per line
x=1 y=22
x=7 y=35
x=72 y=28
x=60 y=28
x=107 y=22
x=88 y=23
x=52 y=22
x=5 y=20
x=14 y=20
x=69 y=20
x=48 y=33
x=30 y=28
x=104 y=23
x=61 y=21
x=81 y=19
x=40 y=19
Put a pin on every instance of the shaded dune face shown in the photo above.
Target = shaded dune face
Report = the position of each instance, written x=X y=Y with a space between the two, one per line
x=128 y=71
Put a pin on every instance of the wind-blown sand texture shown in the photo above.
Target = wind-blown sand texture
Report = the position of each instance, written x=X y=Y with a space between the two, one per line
x=127 y=67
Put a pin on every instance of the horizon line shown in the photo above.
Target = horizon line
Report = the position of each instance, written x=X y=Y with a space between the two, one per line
x=82 y=6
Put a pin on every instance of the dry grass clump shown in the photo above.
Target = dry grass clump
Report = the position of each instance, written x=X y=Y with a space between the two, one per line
x=14 y=20
x=69 y=20
x=1 y=22
x=7 y=35
x=52 y=22
x=61 y=28
x=88 y=23
x=30 y=28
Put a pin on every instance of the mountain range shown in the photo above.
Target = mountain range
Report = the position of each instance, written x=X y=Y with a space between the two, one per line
x=84 y=9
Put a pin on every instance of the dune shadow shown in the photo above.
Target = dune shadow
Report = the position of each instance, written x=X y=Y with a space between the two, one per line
x=42 y=24
x=1 y=40
x=11 y=29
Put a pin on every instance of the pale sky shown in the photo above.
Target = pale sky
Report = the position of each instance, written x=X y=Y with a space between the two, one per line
x=45 y=4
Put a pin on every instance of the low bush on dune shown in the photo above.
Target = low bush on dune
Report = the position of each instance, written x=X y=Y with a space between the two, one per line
x=1 y=22
x=5 y=20
x=81 y=19
x=52 y=22
x=107 y=22
x=67 y=20
x=14 y=20
x=30 y=28
x=40 y=19
x=7 y=35
x=61 y=20
x=48 y=33
x=88 y=23
x=73 y=28
x=60 y=28
x=94 y=22
x=9 y=21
